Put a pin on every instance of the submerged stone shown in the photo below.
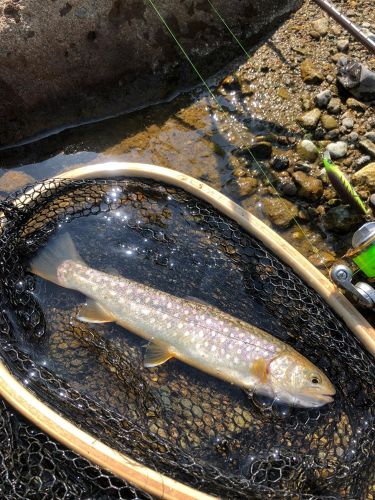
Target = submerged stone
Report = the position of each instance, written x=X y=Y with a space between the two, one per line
x=309 y=187
x=341 y=219
x=281 y=212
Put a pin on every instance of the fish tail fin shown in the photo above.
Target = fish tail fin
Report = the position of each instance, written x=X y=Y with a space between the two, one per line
x=48 y=260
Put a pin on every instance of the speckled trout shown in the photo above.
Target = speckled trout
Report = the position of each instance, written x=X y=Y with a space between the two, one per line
x=196 y=333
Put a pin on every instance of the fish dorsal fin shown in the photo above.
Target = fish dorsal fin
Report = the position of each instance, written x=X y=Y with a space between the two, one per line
x=260 y=369
x=92 y=312
x=156 y=354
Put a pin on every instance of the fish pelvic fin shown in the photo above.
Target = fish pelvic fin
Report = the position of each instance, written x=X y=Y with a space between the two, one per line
x=157 y=354
x=47 y=261
x=92 y=312
x=260 y=369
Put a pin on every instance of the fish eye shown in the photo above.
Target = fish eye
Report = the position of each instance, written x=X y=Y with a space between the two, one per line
x=315 y=379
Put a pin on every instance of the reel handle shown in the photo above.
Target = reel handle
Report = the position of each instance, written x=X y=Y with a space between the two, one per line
x=364 y=293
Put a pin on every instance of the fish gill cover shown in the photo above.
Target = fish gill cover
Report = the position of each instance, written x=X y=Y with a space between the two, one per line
x=172 y=418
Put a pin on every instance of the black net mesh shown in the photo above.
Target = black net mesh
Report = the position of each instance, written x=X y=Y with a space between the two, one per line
x=172 y=418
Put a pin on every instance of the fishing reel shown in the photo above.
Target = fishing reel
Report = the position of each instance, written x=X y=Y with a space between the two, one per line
x=363 y=255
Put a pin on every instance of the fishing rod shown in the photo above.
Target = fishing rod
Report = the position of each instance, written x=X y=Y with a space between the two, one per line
x=347 y=24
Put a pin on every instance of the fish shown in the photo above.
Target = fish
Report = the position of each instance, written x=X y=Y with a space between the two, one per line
x=194 y=332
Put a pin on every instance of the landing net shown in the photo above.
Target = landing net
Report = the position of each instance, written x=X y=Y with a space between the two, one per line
x=174 y=419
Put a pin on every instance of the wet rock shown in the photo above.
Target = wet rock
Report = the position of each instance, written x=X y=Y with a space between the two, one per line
x=12 y=180
x=329 y=122
x=337 y=149
x=281 y=212
x=322 y=99
x=261 y=150
x=367 y=147
x=280 y=163
x=341 y=219
x=321 y=26
x=310 y=119
x=307 y=150
x=334 y=106
x=310 y=73
x=247 y=186
x=357 y=78
x=308 y=187
x=365 y=177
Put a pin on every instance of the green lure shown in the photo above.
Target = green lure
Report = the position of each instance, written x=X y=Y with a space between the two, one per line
x=343 y=187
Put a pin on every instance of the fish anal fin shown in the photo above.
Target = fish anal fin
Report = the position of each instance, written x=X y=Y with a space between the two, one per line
x=92 y=312
x=156 y=354
x=260 y=369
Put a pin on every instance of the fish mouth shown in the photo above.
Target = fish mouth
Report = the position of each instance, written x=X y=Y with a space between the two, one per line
x=314 y=400
x=327 y=398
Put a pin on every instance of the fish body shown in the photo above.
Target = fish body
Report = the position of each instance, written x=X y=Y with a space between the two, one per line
x=198 y=334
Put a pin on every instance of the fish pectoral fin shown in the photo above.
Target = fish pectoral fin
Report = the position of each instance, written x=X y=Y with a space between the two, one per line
x=156 y=354
x=260 y=369
x=92 y=312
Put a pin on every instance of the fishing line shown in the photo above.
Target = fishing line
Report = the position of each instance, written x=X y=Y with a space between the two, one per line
x=169 y=29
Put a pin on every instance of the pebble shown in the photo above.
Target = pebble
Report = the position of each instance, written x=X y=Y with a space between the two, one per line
x=247 y=186
x=355 y=104
x=261 y=150
x=334 y=106
x=352 y=138
x=365 y=177
x=329 y=122
x=308 y=186
x=286 y=186
x=343 y=45
x=337 y=149
x=280 y=163
x=307 y=150
x=348 y=123
x=322 y=99
x=310 y=119
x=321 y=26
x=366 y=146
x=332 y=135
x=280 y=211
x=310 y=73
x=361 y=162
